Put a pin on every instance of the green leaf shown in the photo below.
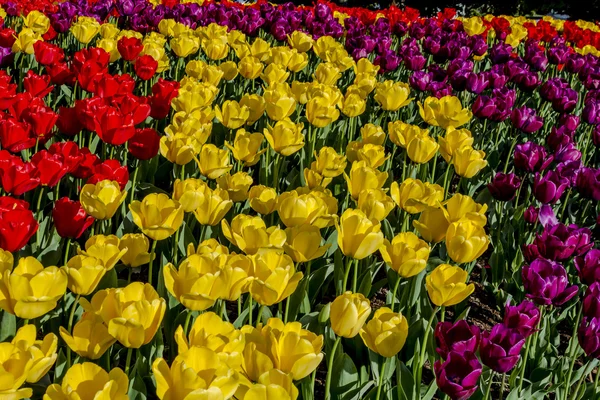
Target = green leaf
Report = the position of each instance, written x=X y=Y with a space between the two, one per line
x=8 y=327
x=109 y=280
x=345 y=377
x=137 y=388
x=296 y=299
x=406 y=382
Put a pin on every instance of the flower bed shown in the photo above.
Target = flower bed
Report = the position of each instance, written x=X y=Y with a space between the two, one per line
x=225 y=201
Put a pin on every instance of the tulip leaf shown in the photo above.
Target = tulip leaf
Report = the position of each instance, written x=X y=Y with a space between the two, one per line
x=332 y=242
x=8 y=327
x=109 y=280
x=406 y=382
x=318 y=279
x=366 y=283
x=430 y=392
x=137 y=388
x=345 y=378
x=296 y=299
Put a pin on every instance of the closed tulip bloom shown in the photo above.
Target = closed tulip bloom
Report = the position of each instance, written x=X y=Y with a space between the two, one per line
x=197 y=284
x=546 y=282
x=322 y=111
x=503 y=187
x=90 y=380
x=263 y=199
x=392 y=95
x=83 y=273
x=402 y=133
x=213 y=206
x=458 y=375
x=90 y=338
x=375 y=204
x=460 y=337
x=285 y=137
x=157 y=215
x=303 y=243
x=315 y=180
x=133 y=314
x=137 y=246
x=274 y=74
x=70 y=219
x=500 y=348
x=7 y=261
x=16 y=364
x=85 y=29
x=373 y=134
x=42 y=352
x=358 y=236
x=232 y=114
x=421 y=149
x=373 y=154
x=446 y=285
x=327 y=74
x=468 y=162
x=406 y=254
x=550 y=187
x=296 y=209
x=353 y=105
x=179 y=149
x=588 y=334
x=213 y=161
x=31 y=290
x=363 y=177
x=300 y=41
x=329 y=163
x=445 y=112
x=185 y=45
x=102 y=200
x=106 y=249
x=279 y=102
x=523 y=317
x=250 y=234
x=275 y=277
x=237 y=185
x=414 y=196
x=246 y=147
x=256 y=105
x=453 y=140
x=588 y=266
x=460 y=206
x=385 y=333
x=235 y=275
x=432 y=224
x=250 y=67
x=189 y=193
x=348 y=314
x=466 y=241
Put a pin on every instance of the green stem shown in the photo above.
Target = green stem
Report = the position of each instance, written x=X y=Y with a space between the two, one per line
x=573 y=351
x=260 y=312
x=502 y=386
x=128 y=361
x=346 y=274
x=135 y=174
x=250 y=310
x=512 y=147
x=188 y=319
x=152 y=256
x=330 y=369
x=381 y=373
x=523 y=367
x=489 y=386
x=70 y=326
x=394 y=293
x=421 y=362
x=67 y=251
x=355 y=276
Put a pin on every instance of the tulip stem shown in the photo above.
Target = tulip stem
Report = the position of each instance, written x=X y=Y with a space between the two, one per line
x=186 y=325
x=346 y=274
x=135 y=174
x=419 y=371
x=381 y=373
x=572 y=349
x=355 y=276
x=250 y=310
x=128 y=360
x=502 y=386
x=523 y=367
x=330 y=368
x=395 y=291
x=260 y=313
x=152 y=255
x=489 y=386
x=67 y=251
x=512 y=147
x=70 y=326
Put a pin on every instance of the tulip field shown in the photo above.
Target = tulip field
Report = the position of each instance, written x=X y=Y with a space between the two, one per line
x=206 y=200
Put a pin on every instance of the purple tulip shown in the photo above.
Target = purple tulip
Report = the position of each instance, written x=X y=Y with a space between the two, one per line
x=569 y=170
x=500 y=348
x=588 y=183
x=415 y=62
x=567 y=153
x=503 y=187
x=420 y=80
x=523 y=318
x=530 y=215
x=559 y=137
x=546 y=216
x=531 y=157
x=550 y=187
x=459 y=337
x=560 y=242
x=546 y=282
x=526 y=119
x=591 y=301
x=500 y=53
x=591 y=112
x=589 y=336
x=458 y=375
x=566 y=101
x=569 y=121
x=588 y=266
x=477 y=83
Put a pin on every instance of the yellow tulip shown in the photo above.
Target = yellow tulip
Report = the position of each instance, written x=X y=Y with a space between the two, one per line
x=273 y=385
x=194 y=95
x=197 y=373
x=237 y=185
x=7 y=261
x=300 y=41
x=246 y=147
x=189 y=193
x=413 y=196
x=195 y=125
x=25 y=41
x=432 y=224
x=106 y=249
x=466 y=241
x=321 y=111
x=231 y=114
x=16 y=364
x=137 y=246
x=363 y=177
x=157 y=215
x=251 y=235
x=215 y=49
x=236 y=276
x=468 y=162
x=285 y=137
x=90 y=338
x=444 y=112
x=229 y=69
x=297 y=209
x=348 y=314
x=185 y=45
x=473 y=26
x=454 y=140
x=110 y=46
x=213 y=206
x=263 y=199
x=37 y=22
x=85 y=29
x=260 y=49
x=274 y=74
x=275 y=277
x=298 y=61
x=42 y=352
x=109 y=31
x=83 y=273
x=329 y=163
x=446 y=285
x=372 y=134
x=250 y=67
x=385 y=333
x=358 y=236
x=213 y=161
x=353 y=105
x=210 y=249
x=256 y=104
x=392 y=95
x=304 y=243
x=402 y=133
x=375 y=204
x=179 y=149
x=88 y=380
x=373 y=154
x=421 y=149
x=279 y=102
x=406 y=254
x=280 y=55
x=31 y=290
x=462 y=206
x=102 y=200
x=133 y=314
x=197 y=284
x=365 y=66
x=314 y=179
x=324 y=45
x=327 y=74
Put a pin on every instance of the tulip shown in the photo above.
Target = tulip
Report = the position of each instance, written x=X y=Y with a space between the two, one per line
x=303 y=243
x=70 y=219
x=523 y=317
x=526 y=119
x=358 y=236
x=16 y=363
x=348 y=314
x=445 y=112
x=588 y=266
x=372 y=134
x=102 y=200
x=546 y=282
x=458 y=375
x=85 y=29
x=42 y=352
x=250 y=67
x=531 y=157
x=313 y=208
x=262 y=199
x=559 y=242
x=179 y=149
x=468 y=162
x=246 y=147
x=6 y=261
x=274 y=74
x=588 y=334
x=83 y=273
x=237 y=185
x=459 y=337
x=402 y=133
x=300 y=41
x=432 y=224
x=503 y=187
x=454 y=140
x=213 y=162
x=392 y=95
x=275 y=277
x=353 y=105
x=375 y=204
x=421 y=149
x=157 y=215
x=106 y=249
x=90 y=338
x=133 y=314
x=385 y=333
x=322 y=111
x=144 y=144
x=363 y=177
x=137 y=246
x=500 y=348
x=213 y=206
x=185 y=45
x=273 y=384
x=549 y=188
x=406 y=254
x=89 y=379
x=279 y=104
x=256 y=105
x=189 y=193
x=251 y=235
x=31 y=290
x=329 y=163
x=285 y=137
x=232 y=114
x=466 y=241
x=129 y=47
x=414 y=196
x=461 y=206
x=588 y=183
x=446 y=285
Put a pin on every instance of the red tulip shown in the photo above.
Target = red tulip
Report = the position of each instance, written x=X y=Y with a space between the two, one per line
x=144 y=144
x=17 y=224
x=163 y=92
x=134 y=106
x=129 y=47
x=22 y=102
x=111 y=170
x=70 y=219
x=87 y=165
x=88 y=109
x=42 y=119
x=68 y=123
x=16 y=176
x=61 y=74
x=48 y=53
x=94 y=54
x=50 y=34
x=7 y=37
x=16 y=136
x=113 y=126
x=37 y=85
x=8 y=90
x=70 y=153
x=89 y=74
x=145 y=67
x=109 y=86
x=50 y=167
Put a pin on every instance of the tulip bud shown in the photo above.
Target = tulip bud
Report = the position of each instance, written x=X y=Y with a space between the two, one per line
x=446 y=285
x=500 y=348
x=385 y=333
x=460 y=337
x=546 y=282
x=406 y=254
x=349 y=312
x=458 y=375
x=157 y=215
x=523 y=317
x=503 y=187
